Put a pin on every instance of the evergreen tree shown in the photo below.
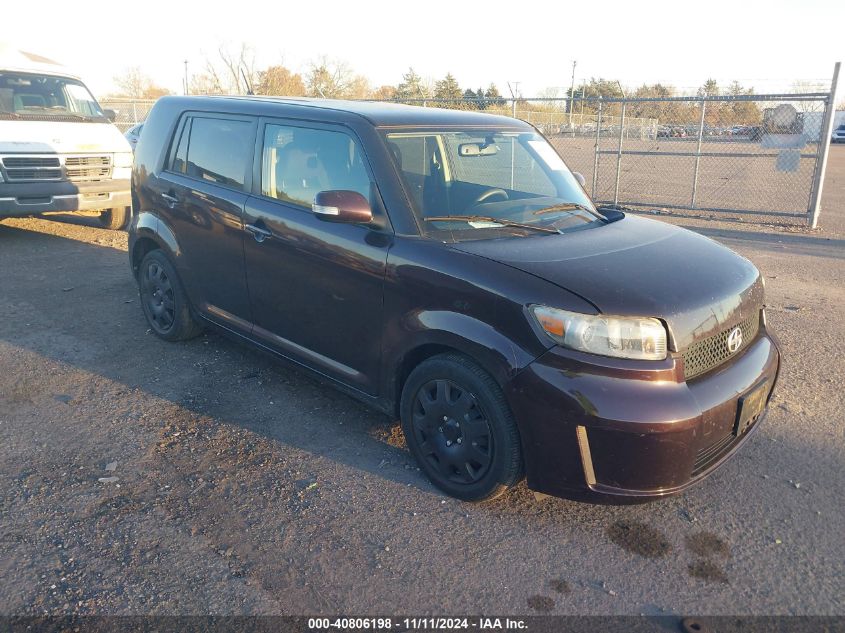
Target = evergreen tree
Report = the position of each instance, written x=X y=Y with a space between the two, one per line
x=448 y=88
x=412 y=87
x=492 y=97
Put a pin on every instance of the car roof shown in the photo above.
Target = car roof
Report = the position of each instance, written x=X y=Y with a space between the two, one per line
x=14 y=60
x=380 y=114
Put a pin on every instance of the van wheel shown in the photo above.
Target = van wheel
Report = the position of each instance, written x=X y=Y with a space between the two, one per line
x=460 y=429
x=115 y=219
x=163 y=299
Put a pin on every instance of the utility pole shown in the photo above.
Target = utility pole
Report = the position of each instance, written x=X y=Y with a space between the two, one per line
x=514 y=92
x=186 y=76
x=572 y=93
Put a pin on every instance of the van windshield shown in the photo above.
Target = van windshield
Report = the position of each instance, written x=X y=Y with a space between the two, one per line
x=478 y=184
x=36 y=97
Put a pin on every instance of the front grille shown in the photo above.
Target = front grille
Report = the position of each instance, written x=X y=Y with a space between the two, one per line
x=37 y=168
x=22 y=162
x=88 y=161
x=15 y=175
x=711 y=352
x=95 y=173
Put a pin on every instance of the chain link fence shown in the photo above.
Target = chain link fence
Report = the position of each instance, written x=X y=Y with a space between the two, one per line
x=128 y=112
x=759 y=157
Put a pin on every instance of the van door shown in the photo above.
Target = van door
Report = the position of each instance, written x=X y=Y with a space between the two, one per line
x=315 y=287
x=202 y=193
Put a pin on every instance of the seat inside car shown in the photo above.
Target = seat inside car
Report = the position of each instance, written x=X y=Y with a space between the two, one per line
x=300 y=174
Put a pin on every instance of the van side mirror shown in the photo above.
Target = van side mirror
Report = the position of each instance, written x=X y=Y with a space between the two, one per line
x=580 y=178
x=110 y=114
x=341 y=205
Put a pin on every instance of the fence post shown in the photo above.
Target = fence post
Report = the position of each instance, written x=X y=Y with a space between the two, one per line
x=513 y=108
x=821 y=156
x=134 y=113
x=619 y=154
x=596 y=150
x=698 y=155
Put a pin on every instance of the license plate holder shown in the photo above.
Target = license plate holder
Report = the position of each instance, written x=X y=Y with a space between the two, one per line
x=749 y=407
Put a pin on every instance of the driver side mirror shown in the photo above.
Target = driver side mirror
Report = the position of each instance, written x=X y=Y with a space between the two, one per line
x=340 y=205
x=580 y=178
x=111 y=115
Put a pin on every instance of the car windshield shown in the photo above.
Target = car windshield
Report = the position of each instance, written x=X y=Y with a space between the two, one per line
x=31 y=96
x=479 y=184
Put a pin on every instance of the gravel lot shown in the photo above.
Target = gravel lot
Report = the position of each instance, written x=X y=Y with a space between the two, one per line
x=142 y=477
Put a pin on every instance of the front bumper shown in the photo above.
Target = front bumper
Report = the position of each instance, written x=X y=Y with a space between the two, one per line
x=645 y=433
x=23 y=199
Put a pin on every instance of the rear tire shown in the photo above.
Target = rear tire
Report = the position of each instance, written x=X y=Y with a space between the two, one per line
x=460 y=429
x=163 y=299
x=115 y=219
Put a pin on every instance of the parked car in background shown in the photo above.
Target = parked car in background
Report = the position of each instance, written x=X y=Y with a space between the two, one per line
x=59 y=150
x=447 y=268
x=838 y=135
x=133 y=134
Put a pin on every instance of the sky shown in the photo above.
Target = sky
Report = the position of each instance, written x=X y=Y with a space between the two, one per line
x=767 y=45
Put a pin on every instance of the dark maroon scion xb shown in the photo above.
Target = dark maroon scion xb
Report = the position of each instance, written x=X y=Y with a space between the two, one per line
x=446 y=267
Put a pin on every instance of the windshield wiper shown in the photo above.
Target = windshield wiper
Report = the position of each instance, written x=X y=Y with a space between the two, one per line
x=569 y=206
x=492 y=220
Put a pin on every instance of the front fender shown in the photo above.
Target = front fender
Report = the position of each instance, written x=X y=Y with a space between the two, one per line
x=498 y=354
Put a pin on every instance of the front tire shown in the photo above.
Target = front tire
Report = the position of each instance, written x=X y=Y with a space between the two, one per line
x=115 y=219
x=164 y=300
x=460 y=429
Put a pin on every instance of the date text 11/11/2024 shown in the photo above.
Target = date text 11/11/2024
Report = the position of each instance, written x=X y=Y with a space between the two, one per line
x=415 y=624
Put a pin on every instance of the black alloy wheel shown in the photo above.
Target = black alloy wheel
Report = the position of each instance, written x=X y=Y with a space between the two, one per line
x=163 y=299
x=460 y=429
x=159 y=297
x=453 y=433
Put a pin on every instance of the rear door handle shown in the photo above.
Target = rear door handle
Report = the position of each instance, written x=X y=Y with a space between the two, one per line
x=258 y=232
x=171 y=201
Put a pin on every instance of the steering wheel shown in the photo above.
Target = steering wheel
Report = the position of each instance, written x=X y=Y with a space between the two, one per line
x=490 y=193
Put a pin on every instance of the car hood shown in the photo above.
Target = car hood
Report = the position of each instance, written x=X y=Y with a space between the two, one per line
x=62 y=137
x=641 y=267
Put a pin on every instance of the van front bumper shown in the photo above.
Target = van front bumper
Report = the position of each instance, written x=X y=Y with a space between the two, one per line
x=626 y=431
x=23 y=199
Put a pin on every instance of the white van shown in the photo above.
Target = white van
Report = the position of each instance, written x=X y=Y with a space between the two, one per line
x=59 y=151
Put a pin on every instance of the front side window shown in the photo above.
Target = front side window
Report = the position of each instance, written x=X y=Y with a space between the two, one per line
x=219 y=151
x=476 y=184
x=32 y=96
x=298 y=163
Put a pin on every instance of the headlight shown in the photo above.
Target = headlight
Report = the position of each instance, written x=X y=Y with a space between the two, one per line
x=123 y=159
x=620 y=337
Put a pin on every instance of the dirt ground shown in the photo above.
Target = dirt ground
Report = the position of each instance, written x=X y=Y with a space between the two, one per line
x=144 y=477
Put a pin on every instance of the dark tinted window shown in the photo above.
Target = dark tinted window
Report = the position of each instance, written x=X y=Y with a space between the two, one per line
x=298 y=163
x=219 y=151
x=180 y=154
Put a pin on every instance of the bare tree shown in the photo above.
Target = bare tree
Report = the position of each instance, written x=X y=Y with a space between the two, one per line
x=232 y=71
x=137 y=85
x=206 y=84
x=332 y=79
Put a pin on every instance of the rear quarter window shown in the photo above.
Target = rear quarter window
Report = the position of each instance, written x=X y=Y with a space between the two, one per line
x=214 y=150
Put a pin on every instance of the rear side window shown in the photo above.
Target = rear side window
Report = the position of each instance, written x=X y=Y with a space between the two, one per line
x=214 y=150
x=180 y=155
x=298 y=163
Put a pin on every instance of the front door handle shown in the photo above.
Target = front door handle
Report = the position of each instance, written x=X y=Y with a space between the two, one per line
x=258 y=232
x=171 y=200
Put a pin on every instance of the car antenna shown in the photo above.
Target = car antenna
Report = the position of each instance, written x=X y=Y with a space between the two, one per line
x=248 y=85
